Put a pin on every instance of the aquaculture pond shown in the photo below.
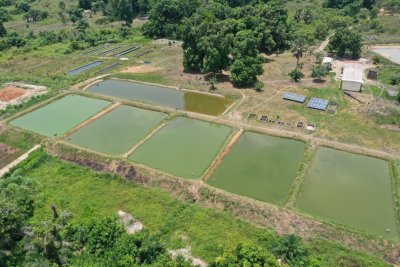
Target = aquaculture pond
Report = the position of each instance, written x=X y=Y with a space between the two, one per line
x=351 y=189
x=184 y=147
x=60 y=116
x=260 y=167
x=117 y=131
x=85 y=67
x=391 y=53
x=163 y=96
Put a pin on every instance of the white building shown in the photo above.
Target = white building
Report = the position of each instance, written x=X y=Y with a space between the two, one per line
x=352 y=78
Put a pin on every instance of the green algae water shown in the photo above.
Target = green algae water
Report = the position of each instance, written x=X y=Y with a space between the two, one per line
x=260 y=167
x=60 y=116
x=185 y=147
x=351 y=189
x=116 y=132
x=163 y=96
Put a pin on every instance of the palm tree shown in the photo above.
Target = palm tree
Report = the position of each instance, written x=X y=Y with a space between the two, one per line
x=298 y=47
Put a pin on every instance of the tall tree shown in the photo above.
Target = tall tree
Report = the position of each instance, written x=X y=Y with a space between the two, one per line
x=298 y=47
x=344 y=40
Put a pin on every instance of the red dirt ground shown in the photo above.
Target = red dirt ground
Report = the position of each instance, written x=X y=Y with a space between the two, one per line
x=10 y=93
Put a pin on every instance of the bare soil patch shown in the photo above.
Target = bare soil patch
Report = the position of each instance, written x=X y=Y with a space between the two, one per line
x=9 y=93
x=141 y=69
x=7 y=154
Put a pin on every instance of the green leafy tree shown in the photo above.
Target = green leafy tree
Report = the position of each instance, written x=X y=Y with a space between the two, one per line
x=259 y=86
x=75 y=14
x=16 y=207
x=3 y=31
x=318 y=72
x=121 y=10
x=291 y=249
x=245 y=255
x=81 y=25
x=244 y=70
x=346 y=40
x=213 y=82
x=296 y=75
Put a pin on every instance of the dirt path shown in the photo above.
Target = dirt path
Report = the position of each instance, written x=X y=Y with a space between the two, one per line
x=224 y=154
x=323 y=45
x=265 y=101
x=94 y=118
x=7 y=168
x=144 y=140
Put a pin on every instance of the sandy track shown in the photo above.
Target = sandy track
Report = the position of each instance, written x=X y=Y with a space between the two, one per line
x=7 y=168
x=224 y=154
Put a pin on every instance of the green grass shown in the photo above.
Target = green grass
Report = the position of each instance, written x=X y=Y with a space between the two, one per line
x=346 y=126
x=88 y=194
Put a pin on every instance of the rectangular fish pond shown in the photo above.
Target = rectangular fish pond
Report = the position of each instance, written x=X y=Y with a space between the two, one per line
x=85 y=67
x=60 y=116
x=391 y=53
x=117 y=131
x=163 y=96
x=184 y=147
x=351 y=189
x=260 y=167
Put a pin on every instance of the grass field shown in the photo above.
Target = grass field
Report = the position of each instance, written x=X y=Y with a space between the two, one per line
x=351 y=189
x=88 y=194
x=117 y=131
x=60 y=116
x=259 y=166
x=185 y=147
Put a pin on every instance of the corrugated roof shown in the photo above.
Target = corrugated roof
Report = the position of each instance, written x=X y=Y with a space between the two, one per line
x=352 y=74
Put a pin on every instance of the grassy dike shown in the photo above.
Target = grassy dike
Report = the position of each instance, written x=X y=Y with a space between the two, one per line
x=89 y=194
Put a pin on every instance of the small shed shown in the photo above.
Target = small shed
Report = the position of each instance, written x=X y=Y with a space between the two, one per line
x=327 y=60
x=352 y=79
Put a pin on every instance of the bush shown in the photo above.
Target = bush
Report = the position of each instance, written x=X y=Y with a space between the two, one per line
x=296 y=75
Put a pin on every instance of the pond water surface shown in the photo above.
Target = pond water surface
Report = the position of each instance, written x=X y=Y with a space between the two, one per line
x=163 y=96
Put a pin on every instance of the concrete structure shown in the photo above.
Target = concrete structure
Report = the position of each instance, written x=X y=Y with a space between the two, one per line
x=327 y=60
x=352 y=78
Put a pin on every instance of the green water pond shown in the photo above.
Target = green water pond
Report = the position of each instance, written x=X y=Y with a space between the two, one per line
x=60 y=116
x=351 y=189
x=184 y=147
x=117 y=131
x=260 y=167
x=163 y=96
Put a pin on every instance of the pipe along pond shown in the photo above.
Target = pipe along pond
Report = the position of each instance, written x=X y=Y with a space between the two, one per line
x=349 y=189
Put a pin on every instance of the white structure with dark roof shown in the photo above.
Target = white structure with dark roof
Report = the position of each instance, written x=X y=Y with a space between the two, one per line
x=352 y=78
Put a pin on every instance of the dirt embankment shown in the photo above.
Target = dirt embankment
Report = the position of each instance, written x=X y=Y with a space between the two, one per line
x=9 y=93
x=224 y=154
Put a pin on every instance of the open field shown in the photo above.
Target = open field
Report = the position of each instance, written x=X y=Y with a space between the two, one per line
x=184 y=147
x=60 y=116
x=117 y=131
x=351 y=189
x=260 y=167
